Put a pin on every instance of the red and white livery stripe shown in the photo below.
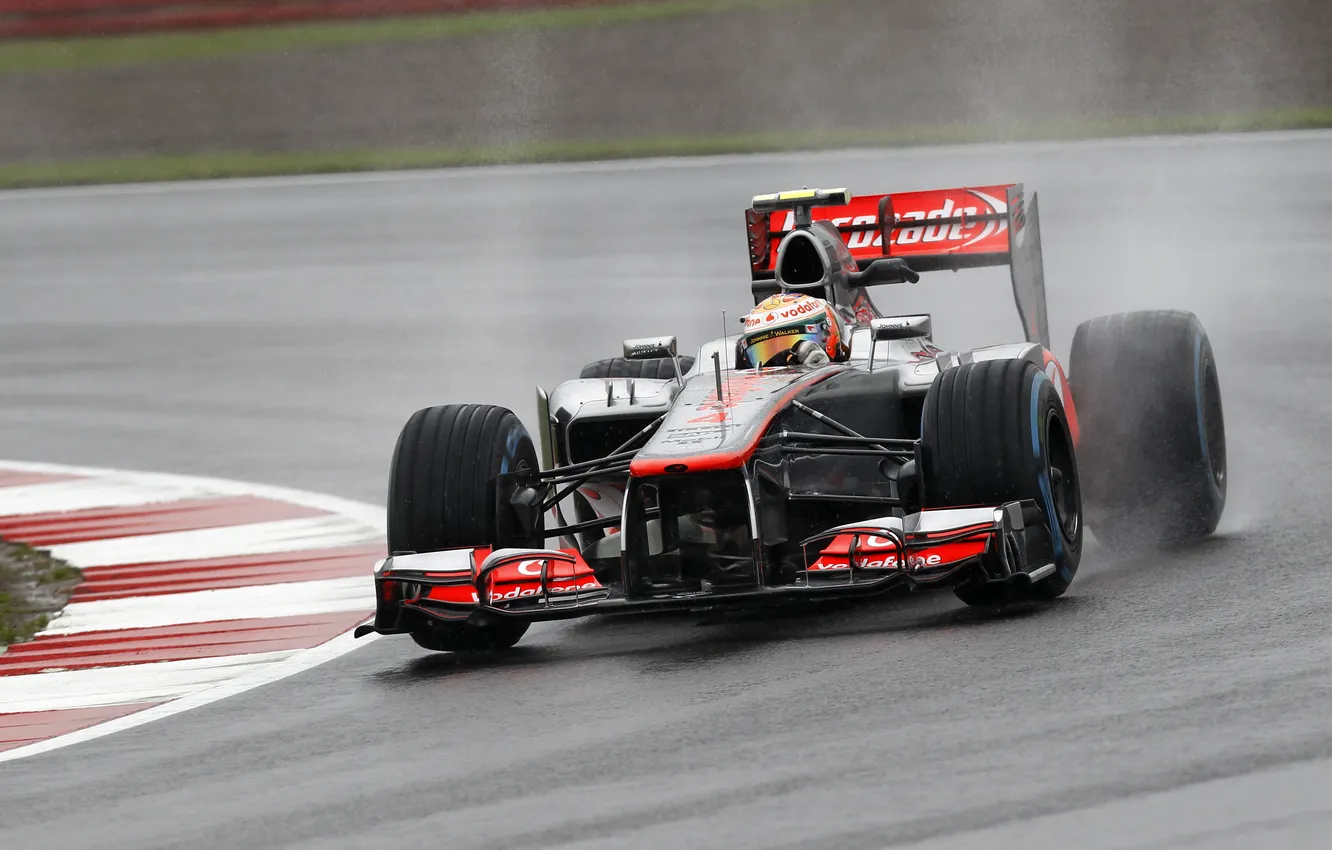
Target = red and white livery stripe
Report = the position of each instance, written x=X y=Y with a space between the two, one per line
x=194 y=589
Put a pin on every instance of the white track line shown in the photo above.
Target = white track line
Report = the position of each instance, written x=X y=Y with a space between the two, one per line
x=256 y=538
x=254 y=602
x=82 y=495
x=125 y=685
x=369 y=514
x=260 y=675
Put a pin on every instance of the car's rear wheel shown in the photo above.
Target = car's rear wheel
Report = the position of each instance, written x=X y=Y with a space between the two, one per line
x=995 y=431
x=659 y=368
x=1153 y=434
x=442 y=496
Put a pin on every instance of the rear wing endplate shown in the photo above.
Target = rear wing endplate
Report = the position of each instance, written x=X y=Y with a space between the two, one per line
x=937 y=230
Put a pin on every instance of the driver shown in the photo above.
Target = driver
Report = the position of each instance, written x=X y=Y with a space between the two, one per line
x=792 y=330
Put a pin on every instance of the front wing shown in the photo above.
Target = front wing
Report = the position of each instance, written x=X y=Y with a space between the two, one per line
x=1005 y=544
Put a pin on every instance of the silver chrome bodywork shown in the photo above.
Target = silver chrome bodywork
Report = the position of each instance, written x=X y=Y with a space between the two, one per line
x=585 y=401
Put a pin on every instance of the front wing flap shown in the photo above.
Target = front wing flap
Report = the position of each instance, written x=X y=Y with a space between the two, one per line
x=456 y=584
x=1008 y=543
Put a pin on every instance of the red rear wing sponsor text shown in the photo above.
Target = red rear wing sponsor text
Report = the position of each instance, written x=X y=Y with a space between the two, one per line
x=933 y=230
x=972 y=221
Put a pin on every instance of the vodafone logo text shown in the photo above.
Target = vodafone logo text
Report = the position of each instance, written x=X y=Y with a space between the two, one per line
x=530 y=568
x=782 y=316
x=888 y=562
x=874 y=541
x=524 y=592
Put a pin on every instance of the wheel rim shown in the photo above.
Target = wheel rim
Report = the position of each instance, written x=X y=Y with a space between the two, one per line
x=1063 y=476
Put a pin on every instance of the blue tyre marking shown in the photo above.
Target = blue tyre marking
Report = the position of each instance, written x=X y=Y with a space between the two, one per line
x=1202 y=413
x=1056 y=532
x=510 y=449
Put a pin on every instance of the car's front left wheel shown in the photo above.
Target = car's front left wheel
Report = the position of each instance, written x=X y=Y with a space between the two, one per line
x=995 y=431
x=657 y=368
x=1153 y=432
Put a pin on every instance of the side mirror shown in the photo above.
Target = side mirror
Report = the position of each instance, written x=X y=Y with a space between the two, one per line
x=885 y=270
x=649 y=348
x=901 y=327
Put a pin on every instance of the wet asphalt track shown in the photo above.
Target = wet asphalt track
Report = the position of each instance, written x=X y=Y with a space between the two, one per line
x=282 y=332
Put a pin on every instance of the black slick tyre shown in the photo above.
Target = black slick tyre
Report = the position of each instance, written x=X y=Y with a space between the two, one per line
x=464 y=637
x=1153 y=436
x=658 y=368
x=442 y=495
x=995 y=431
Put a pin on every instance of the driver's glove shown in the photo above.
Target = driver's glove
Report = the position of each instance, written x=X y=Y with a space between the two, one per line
x=808 y=354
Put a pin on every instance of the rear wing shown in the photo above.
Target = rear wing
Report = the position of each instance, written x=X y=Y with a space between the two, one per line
x=937 y=230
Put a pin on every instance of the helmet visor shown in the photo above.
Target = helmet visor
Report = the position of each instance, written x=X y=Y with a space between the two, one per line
x=774 y=347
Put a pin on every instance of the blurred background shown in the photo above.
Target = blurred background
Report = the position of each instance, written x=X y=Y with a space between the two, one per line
x=283 y=331
x=321 y=84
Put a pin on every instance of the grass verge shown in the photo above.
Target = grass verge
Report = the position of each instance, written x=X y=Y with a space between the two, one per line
x=33 y=587
x=121 y=51
x=250 y=164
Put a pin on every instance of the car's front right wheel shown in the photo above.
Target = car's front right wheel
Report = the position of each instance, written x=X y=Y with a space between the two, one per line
x=442 y=496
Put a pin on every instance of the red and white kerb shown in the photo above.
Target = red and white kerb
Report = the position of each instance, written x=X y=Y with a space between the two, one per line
x=192 y=588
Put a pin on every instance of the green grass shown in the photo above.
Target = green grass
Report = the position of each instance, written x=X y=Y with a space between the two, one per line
x=140 y=49
x=33 y=586
x=13 y=630
x=253 y=164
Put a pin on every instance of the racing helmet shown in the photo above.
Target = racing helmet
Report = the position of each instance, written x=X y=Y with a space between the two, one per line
x=791 y=329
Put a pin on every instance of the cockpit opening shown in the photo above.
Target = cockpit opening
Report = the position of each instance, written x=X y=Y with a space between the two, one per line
x=801 y=263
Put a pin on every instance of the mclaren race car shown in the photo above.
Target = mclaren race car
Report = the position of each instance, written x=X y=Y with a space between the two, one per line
x=667 y=482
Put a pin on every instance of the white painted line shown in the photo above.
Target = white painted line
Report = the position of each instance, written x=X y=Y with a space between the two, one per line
x=489 y=172
x=84 y=494
x=258 y=675
x=256 y=538
x=368 y=514
x=292 y=599
x=121 y=685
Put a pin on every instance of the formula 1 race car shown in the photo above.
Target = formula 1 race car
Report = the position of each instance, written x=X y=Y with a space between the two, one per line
x=668 y=482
